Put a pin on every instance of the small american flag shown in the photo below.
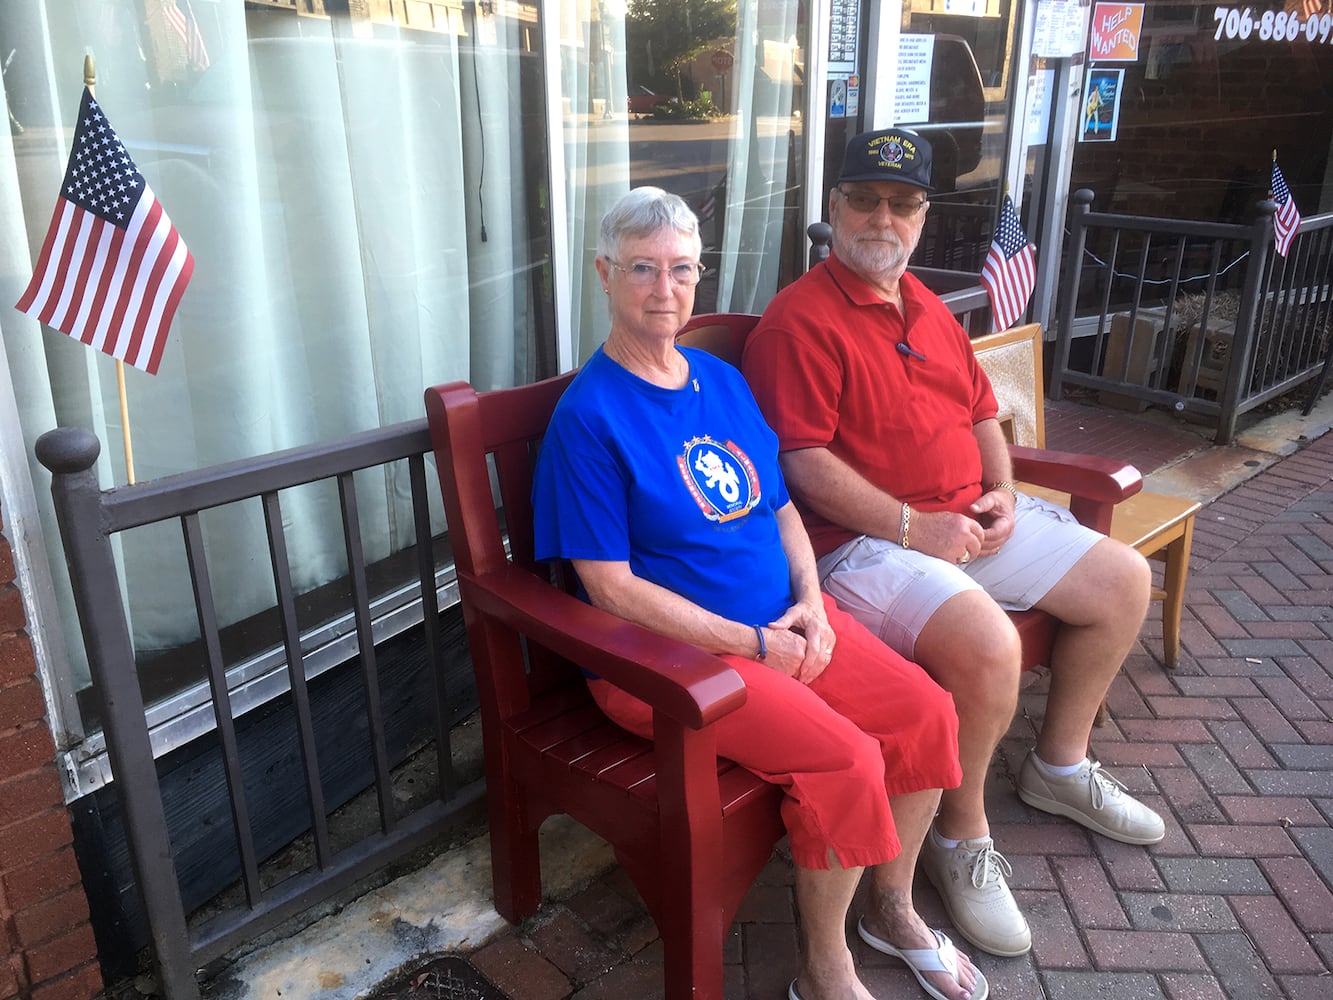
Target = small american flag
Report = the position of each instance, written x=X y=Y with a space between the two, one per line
x=113 y=268
x=183 y=23
x=1286 y=220
x=1010 y=271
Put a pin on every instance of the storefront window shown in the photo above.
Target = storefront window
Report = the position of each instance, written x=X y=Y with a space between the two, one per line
x=704 y=99
x=1189 y=121
x=361 y=186
x=961 y=103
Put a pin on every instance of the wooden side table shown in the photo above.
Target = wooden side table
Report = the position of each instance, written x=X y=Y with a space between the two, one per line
x=1161 y=528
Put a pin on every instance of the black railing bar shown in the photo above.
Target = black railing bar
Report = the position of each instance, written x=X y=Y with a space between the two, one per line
x=235 y=926
x=189 y=714
x=291 y=638
x=1071 y=277
x=1160 y=397
x=1161 y=353
x=965 y=300
x=171 y=496
x=1315 y=258
x=1195 y=364
x=1288 y=302
x=356 y=575
x=1127 y=355
x=223 y=719
x=1242 y=358
x=1280 y=388
x=70 y=454
x=1099 y=342
x=1317 y=389
x=1324 y=309
x=1209 y=230
x=416 y=471
x=1310 y=223
x=1181 y=247
x=1168 y=227
x=1210 y=293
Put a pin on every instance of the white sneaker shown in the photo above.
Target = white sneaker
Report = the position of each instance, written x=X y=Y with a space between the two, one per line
x=1093 y=798
x=970 y=879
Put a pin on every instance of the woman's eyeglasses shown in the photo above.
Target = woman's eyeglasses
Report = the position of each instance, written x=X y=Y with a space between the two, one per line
x=647 y=274
x=865 y=203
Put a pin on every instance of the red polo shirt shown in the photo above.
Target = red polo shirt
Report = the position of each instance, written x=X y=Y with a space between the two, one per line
x=826 y=368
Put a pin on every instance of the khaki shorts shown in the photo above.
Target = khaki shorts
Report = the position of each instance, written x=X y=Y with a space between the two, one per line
x=894 y=591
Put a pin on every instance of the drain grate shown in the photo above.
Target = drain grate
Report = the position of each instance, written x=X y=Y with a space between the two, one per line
x=443 y=979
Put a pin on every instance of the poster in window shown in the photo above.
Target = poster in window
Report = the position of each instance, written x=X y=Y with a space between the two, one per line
x=1101 y=105
x=1115 y=32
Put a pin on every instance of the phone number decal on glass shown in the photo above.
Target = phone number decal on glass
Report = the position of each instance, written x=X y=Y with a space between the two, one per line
x=1272 y=26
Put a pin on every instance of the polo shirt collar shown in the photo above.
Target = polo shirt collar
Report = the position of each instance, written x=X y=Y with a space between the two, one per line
x=858 y=291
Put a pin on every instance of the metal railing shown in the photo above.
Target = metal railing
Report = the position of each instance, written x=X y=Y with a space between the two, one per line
x=89 y=517
x=1198 y=317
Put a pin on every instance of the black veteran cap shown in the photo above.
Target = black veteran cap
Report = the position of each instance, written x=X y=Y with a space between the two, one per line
x=893 y=154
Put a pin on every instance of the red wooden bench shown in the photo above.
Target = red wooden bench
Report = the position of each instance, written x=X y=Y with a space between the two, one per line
x=690 y=829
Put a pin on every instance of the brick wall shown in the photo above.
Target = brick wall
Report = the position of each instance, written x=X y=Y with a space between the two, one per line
x=47 y=950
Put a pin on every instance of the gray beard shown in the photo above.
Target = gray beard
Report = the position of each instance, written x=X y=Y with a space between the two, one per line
x=876 y=259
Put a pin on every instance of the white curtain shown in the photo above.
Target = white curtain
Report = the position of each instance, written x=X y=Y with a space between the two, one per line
x=333 y=180
x=764 y=156
x=596 y=149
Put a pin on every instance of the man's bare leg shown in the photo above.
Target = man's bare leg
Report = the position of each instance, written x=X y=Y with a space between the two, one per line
x=972 y=650
x=1101 y=603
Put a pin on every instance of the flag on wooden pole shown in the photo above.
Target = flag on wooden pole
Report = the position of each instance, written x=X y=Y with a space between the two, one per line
x=1010 y=271
x=1286 y=220
x=113 y=268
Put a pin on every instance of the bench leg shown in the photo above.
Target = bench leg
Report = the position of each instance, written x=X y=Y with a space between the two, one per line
x=516 y=873
x=1173 y=582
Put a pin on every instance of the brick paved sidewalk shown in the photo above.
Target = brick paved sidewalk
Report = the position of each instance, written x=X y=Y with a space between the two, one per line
x=1235 y=748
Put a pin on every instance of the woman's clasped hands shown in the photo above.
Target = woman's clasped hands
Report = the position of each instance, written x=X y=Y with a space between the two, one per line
x=800 y=643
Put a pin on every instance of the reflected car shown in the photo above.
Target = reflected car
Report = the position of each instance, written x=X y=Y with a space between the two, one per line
x=643 y=100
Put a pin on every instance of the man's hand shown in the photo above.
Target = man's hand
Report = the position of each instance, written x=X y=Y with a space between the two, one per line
x=946 y=535
x=800 y=643
x=994 y=511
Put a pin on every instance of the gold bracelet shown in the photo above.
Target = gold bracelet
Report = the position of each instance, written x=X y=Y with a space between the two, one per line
x=903 y=526
x=1004 y=484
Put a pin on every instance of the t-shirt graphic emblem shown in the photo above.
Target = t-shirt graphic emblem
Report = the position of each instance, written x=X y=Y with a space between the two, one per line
x=720 y=477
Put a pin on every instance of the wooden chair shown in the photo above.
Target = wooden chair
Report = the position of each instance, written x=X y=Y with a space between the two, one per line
x=690 y=829
x=1159 y=526
x=1092 y=485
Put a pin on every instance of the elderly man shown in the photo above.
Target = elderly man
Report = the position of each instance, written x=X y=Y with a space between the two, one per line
x=891 y=448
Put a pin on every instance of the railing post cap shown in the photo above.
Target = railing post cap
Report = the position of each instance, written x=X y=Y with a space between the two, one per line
x=68 y=449
x=1084 y=196
x=1266 y=206
x=819 y=232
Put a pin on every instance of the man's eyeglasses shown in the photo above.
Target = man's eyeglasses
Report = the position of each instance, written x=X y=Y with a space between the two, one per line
x=647 y=274
x=904 y=207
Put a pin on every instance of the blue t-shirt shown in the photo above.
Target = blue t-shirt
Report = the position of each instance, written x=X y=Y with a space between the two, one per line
x=683 y=484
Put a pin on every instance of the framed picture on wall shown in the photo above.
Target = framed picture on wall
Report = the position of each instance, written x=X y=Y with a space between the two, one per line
x=1101 y=105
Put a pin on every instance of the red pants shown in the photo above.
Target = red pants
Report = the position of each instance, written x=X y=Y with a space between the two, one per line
x=872 y=725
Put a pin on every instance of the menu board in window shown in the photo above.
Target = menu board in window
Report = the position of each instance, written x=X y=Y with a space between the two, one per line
x=844 y=36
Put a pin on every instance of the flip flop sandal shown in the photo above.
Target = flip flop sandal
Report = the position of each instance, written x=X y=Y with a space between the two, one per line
x=921 y=960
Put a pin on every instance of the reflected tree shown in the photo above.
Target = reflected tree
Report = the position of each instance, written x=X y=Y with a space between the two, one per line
x=662 y=37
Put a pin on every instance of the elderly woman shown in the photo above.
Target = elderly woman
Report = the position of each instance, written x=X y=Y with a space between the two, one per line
x=659 y=480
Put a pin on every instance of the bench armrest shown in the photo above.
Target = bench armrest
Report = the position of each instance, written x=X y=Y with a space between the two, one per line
x=691 y=686
x=1094 y=484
